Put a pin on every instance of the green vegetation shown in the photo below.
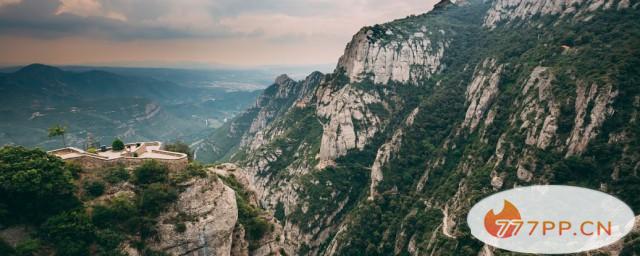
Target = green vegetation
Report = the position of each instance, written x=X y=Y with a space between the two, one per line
x=6 y=249
x=193 y=170
x=108 y=242
x=180 y=227
x=603 y=51
x=56 y=131
x=249 y=216
x=117 y=145
x=223 y=144
x=28 y=247
x=150 y=172
x=70 y=232
x=154 y=198
x=180 y=147
x=94 y=188
x=117 y=214
x=304 y=134
x=224 y=140
x=121 y=96
x=135 y=217
x=279 y=213
x=39 y=190
x=33 y=186
x=116 y=175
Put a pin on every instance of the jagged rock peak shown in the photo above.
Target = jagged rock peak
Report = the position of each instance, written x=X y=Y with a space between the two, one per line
x=315 y=74
x=283 y=79
x=314 y=77
x=442 y=4
x=447 y=3
x=383 y=54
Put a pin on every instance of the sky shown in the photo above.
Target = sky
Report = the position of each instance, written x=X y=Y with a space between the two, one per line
x=181 y=33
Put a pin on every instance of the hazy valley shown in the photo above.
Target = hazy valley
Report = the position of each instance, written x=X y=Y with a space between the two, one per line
x=127 y=103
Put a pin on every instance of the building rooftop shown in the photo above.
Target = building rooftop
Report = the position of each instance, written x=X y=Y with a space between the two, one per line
x=144 y=150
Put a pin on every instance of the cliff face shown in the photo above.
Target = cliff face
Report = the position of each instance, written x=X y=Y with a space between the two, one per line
x=506 y=11
x=248 y=129
x=426 y=115
x=389 y=53
x=217 y=216
x=211 y=208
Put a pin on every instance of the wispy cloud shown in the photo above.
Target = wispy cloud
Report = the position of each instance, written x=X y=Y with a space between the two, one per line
x=9 y=2
x=260 y=24
x=88 y=8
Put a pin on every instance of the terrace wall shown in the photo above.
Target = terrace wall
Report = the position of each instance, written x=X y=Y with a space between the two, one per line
x=89 y=162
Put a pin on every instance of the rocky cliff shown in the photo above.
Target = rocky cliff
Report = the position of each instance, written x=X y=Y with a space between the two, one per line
x=425 y=115
x=212 y=213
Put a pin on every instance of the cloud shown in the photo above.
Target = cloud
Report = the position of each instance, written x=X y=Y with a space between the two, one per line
x=9 y=2
x=260 y=28
x=140 y=19
x=87 y=8
x=192 y=17
x=334 y=20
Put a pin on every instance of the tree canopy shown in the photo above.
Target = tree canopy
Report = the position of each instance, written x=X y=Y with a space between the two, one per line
x=58 y=130
x=150 y=172
x=180 y=147
x=117 y=145
x=33 y=185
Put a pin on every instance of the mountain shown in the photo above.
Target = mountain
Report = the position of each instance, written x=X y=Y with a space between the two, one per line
x=236 y=79
x=231 y=78
x=249 y=126
x=426 y=115
x=37 y=80
x=108 y=105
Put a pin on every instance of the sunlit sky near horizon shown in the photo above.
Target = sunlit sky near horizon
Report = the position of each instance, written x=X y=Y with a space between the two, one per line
x=234 y=33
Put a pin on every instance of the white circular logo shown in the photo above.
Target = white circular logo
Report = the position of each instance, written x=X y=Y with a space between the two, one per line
x=550 y=219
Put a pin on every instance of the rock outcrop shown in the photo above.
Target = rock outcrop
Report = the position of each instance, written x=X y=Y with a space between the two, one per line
x=210 y=214
x=593 y=103
x=345 y=109
x=250 y=129
x=510 y=10
x=542 y=128
x=481 y=92
x=385 y=152
x=394 y=57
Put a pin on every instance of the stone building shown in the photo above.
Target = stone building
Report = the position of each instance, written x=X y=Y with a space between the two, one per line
x=133 y=155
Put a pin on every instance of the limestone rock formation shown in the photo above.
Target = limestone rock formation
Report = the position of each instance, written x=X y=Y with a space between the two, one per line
x=509 y=10
x=481 y=92
x=402 y=58
x=209 y=207
x=345 y=109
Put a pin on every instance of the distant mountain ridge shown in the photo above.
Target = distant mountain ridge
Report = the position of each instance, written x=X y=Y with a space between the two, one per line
x=108 y=105
x=36 y=79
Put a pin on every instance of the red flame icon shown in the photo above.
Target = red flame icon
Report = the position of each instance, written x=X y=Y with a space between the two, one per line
x=502 y=225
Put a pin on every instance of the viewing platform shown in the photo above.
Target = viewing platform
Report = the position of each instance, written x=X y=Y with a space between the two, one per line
x=133 y=155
